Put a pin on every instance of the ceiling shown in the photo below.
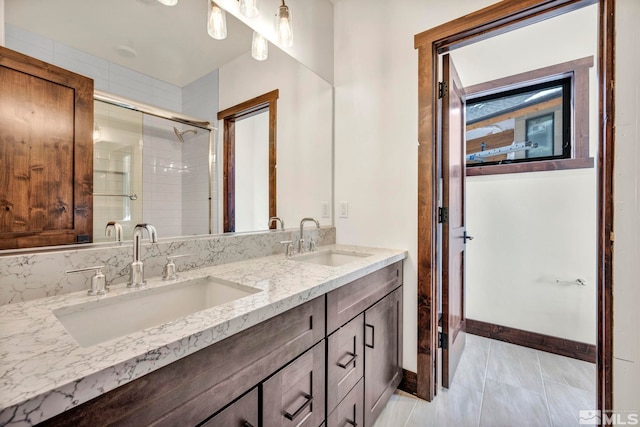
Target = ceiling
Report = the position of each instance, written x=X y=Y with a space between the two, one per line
x=171 y=43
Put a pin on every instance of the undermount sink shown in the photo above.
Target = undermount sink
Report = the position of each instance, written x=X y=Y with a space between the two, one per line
x=99 y=321
x=331 y=258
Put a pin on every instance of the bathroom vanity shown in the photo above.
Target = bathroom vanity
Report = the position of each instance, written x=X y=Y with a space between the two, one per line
x=316 y=341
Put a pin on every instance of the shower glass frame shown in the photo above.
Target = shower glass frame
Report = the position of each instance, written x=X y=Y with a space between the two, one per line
x=179 y=118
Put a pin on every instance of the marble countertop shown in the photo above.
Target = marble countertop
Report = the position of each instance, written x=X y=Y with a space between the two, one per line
x=44 y=371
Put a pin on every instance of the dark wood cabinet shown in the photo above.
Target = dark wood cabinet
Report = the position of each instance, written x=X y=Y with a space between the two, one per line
x=345 y=360
x=242 y=413
x=295 y=395
x=383 y=353
x=46 y=153
x=350 y=411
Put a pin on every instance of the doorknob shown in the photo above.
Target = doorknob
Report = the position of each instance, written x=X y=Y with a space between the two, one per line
x=466 y=237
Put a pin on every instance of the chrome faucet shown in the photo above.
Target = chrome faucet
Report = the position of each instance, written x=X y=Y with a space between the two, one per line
x=301 y=248
x=115 y=227
x=137 y=266
x=276 y=219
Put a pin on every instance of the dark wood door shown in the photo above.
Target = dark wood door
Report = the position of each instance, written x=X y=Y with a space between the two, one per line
x=295 y=395
x=453 y=227
x=242 y=413
x=46 y=153
x=350 y=411
x=383 y=353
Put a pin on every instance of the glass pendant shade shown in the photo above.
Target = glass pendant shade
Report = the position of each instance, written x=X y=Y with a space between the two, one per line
x=285 y=31
x=216 y=22
x=169 y=2
x=259 y=47
x=249 y=8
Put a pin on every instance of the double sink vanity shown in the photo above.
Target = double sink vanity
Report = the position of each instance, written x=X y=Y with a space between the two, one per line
x=312 y=339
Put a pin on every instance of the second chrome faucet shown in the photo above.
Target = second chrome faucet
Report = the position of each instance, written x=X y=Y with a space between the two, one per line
x=137 y=266
x=301 y=248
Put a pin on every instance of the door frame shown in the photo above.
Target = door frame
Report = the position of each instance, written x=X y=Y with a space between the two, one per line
x=229 y=116
x=493 y=20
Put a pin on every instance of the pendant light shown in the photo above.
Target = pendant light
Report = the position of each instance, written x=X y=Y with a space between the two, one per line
x=285 y=31
x=259 y=47
x=249 y=8
x=216 y=21
x=169 y=2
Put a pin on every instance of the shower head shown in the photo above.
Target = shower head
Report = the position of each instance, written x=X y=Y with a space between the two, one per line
x=180 y=134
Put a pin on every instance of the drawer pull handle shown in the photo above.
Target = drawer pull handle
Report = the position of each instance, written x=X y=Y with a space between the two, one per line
x=291 y=417
x=247 y=424
x=373 y=333
x=349 y=362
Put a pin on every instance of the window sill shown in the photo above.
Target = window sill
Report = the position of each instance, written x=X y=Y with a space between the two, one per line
x=547 y=165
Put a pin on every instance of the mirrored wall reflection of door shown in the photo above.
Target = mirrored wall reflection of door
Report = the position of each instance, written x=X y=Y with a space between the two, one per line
x=250 y=163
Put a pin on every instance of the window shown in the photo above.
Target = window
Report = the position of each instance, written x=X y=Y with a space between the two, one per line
x=533 y=121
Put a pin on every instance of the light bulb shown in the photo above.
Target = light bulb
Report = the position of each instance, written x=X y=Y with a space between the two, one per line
x=259 y=47
x=285 y=31
x=216 y=22
x=249 y=8
x=169 y=2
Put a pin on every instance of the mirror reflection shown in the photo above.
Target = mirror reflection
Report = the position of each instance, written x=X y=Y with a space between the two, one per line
x=163 y=57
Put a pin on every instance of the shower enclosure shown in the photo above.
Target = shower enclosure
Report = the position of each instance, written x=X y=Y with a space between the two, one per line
x=151 y=166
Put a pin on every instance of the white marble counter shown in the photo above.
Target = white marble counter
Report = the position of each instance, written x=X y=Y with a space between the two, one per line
x=45 y=372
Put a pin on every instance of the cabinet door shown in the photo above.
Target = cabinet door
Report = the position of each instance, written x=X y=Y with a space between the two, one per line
x=241 y=413
x=295 y=395
x=383 y=353
x=350 y=412
x=345 y=360
x=46 y=153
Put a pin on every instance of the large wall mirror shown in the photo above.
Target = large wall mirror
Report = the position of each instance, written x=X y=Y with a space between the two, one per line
x=154 y=169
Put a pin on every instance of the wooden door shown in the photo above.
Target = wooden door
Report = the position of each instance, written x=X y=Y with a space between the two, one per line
x=383 y=353
x=453 y=219
x=46 y=153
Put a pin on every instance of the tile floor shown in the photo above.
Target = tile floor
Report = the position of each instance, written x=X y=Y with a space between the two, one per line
x=501 y=385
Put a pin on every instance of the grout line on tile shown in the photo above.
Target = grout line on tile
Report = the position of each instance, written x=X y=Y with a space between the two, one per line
x=413 y=408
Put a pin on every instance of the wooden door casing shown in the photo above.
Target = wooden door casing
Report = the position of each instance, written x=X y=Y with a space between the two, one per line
x=453 y=229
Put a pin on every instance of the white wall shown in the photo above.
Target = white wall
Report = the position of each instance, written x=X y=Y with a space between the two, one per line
x=252 y=173
x=376 y=104
x=312 y=30
x=626 y=351
x=304 y=128
x=533 y=228
x=107 y=76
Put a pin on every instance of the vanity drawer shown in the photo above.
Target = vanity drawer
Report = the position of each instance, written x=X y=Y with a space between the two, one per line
x=241 y=413
x=294 y=396
x=345 y=303
x=350 y=412
x=345 y=360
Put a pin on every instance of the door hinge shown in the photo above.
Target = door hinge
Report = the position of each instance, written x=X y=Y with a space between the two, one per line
x=443 y=215
x=443 y=341
x=443 y=89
